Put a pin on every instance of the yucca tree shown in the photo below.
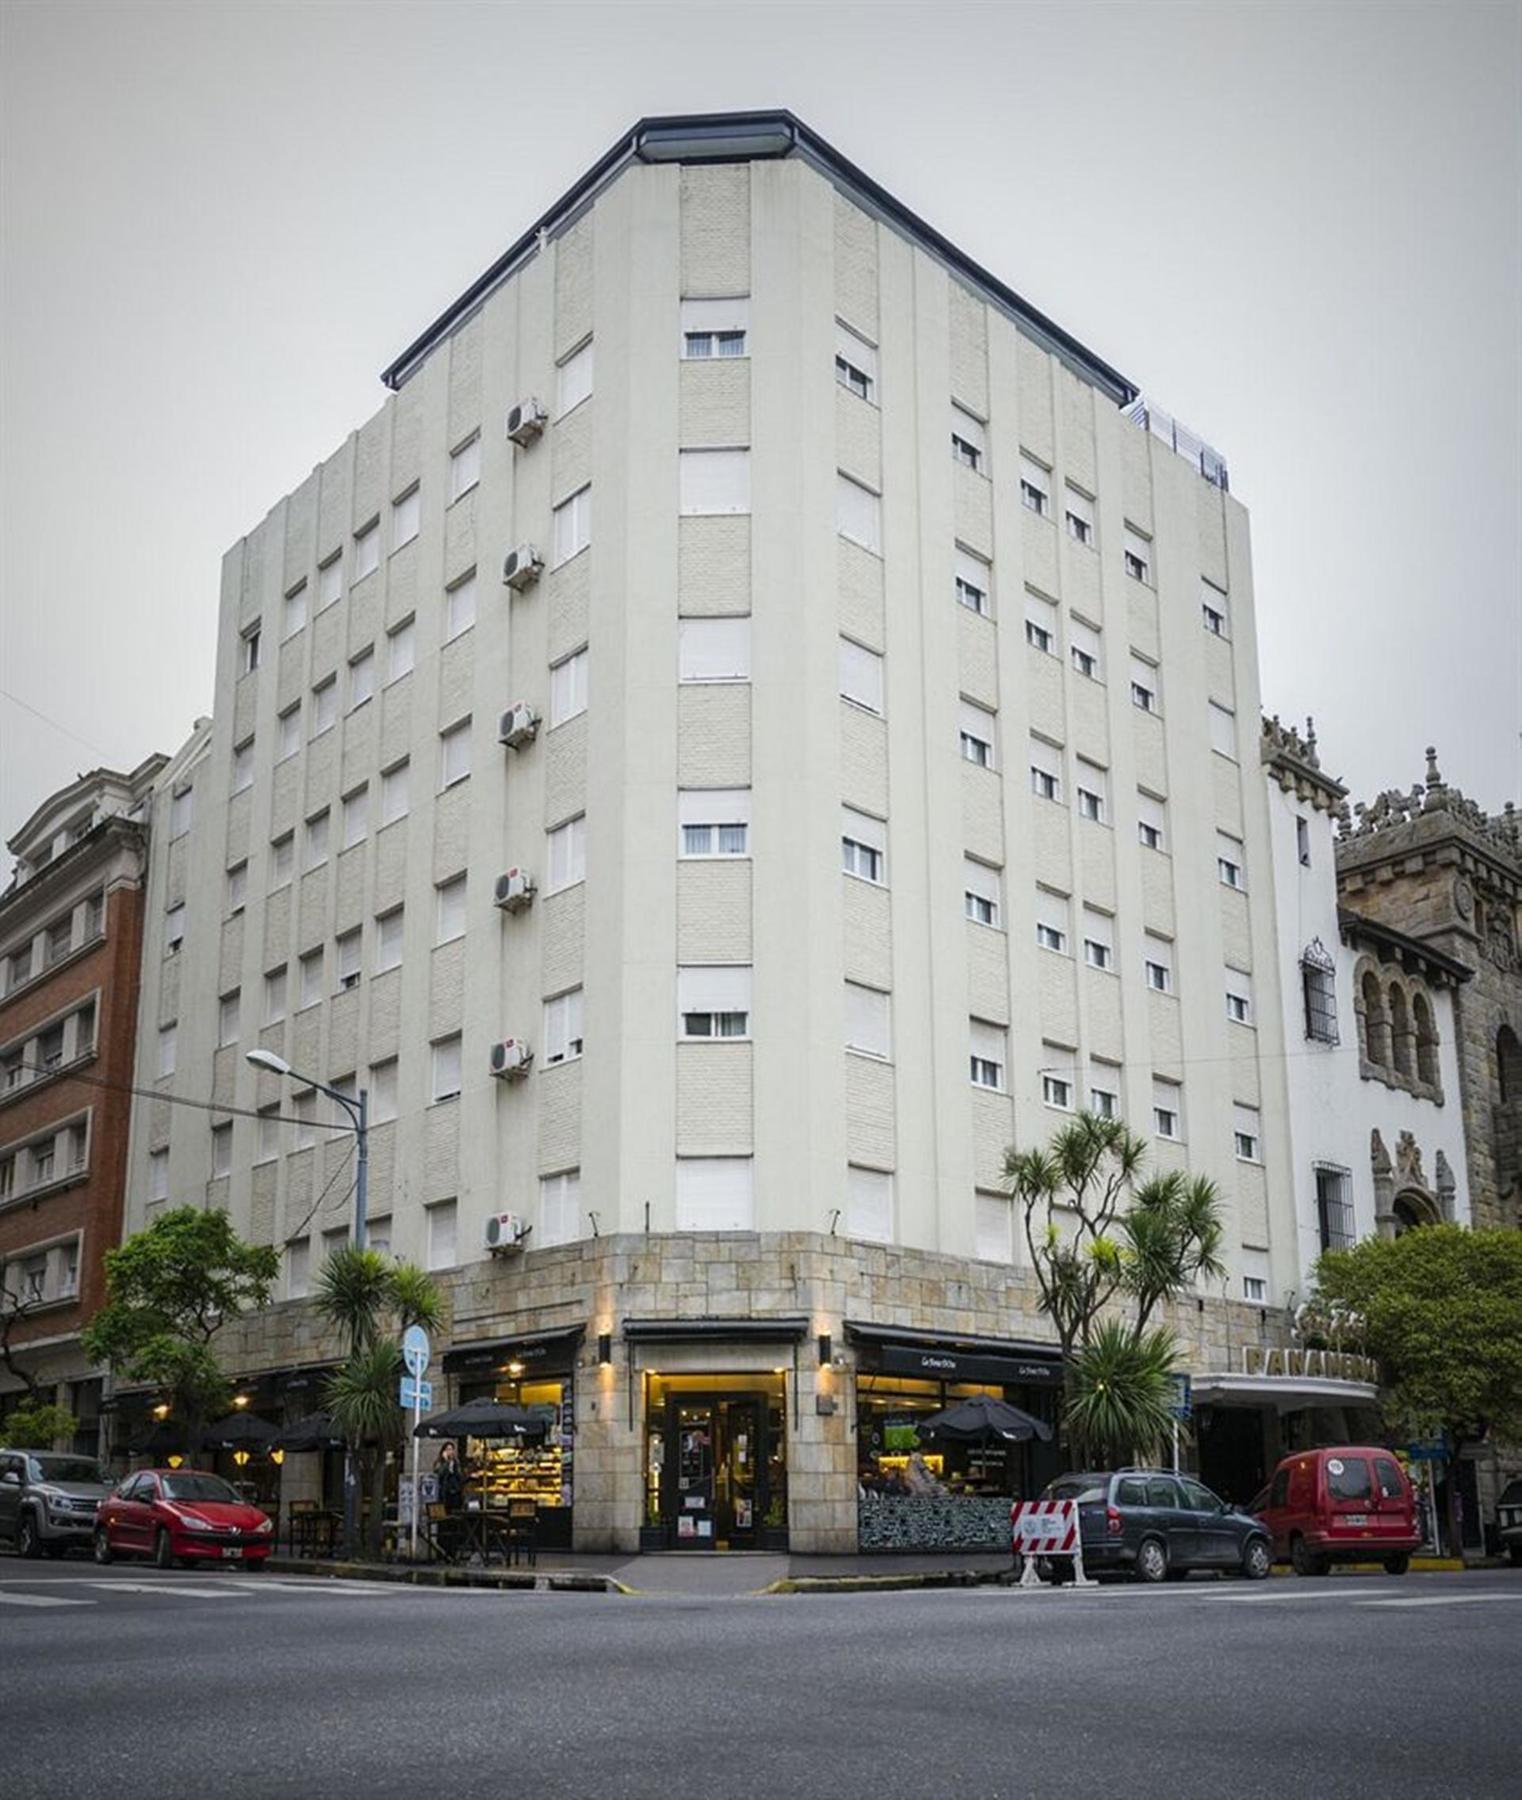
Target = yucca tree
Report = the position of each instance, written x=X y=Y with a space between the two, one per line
x=1118 y=1395
x=1170 y=1240
x=372 y=1301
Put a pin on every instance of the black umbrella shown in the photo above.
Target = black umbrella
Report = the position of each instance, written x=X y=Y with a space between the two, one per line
x=485 y=1418
x=981 y=1419
x=315 y=1432
x=239 y=1431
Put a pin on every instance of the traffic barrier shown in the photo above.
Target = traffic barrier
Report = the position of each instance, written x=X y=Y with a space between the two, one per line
x=1047 y=1528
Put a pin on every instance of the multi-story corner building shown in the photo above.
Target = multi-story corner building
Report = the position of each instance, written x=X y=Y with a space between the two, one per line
x=761 y=720
x=70 y=956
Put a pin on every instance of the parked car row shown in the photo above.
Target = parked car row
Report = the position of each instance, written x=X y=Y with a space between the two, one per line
x=50 y=1502
x=1348 y=1504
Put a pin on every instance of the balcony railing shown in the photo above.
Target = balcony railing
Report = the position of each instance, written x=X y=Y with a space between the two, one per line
x=1210 y=463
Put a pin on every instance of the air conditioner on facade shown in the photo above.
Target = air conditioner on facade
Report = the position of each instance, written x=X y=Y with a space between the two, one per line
x=521 y=567
x=511 y=1059
x=519 y=725
x=504 y=1233
x=526 y=420
x=514 y=890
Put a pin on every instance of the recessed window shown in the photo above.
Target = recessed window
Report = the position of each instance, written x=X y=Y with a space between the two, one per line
x=288 y=732
x=976 y=729
x=366 y=551
x=1214 y=611
x=315 y=850
x=713 y=482
x=863 y=846
x=158 y=1174
x=861 y=675
x=1079 y=516
x=715 y=328
x=1230 y=861
x=1098 y=940
x=330 y=582
x=1157 y=963
x=567 y=854
x=383 y=1086
x=1245 y=1133
x=714 y=1193
x=1041 y=623
x=248 y=650
x=356 y=817
x=450 y=914
x=168 y=1047
x=348 y=950
x=714 y=1001
x=174 y=928
x=454 y=754
x=568 y=688
x=859 y=514
x=713 y=822
x=987 y=1053
x=969 y=439
x=1045 y=770
x=1318 y=986
x=401 y=647
x=713 y=649
x=974 y=583
x=1057 y=1091
x=1104 y=1090
x=181 y=810
x=563 y=1028
x=1254 y=1287
x=1035 y=486
x=869 y=1205
x=361 y=679
x=394 y=792
x=982 y=892
x=1168 y=1109
x=572 y=525
x=1138 y=556
x=1083 y=649
x=324 y=706
x=1239 y=1006
x=388 y=940
x=310 y=970
x=1223 y=730
x=237 y=887
x=465 y=467
x=221 y=1151
x=228 y=1010
x=855 y=363
x=573 y=380
x=868 y=1018
x=1151 y=821
x=282 y=860
x=243 y=766
x=446 y=1068
x=1052 y=919
x=1091 y=790
x=274 y=996
x=294 y=613
x=406 y=516
x=441 y=1234
x=1144 y=684
x=559 y=1208
x=1334 y=1207
x=1303 y=842
x=460 y=607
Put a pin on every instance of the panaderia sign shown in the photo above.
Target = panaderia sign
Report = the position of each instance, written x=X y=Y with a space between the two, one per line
x=1309 y=1365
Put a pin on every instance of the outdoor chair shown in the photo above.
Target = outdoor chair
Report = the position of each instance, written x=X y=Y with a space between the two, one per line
x=523 y=1531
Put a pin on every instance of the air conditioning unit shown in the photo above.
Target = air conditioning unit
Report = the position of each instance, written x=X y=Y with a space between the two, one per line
x=522 y=567
x=504 y=1233
x=526 y=420
x=519 y=726
x=511 y=1059
x=515 y=890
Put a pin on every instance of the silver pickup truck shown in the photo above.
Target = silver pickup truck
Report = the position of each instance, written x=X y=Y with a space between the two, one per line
x=48 y=1500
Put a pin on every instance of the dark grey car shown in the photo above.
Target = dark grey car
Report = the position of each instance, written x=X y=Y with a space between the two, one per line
x=1154 y=1524
x=48 y=1500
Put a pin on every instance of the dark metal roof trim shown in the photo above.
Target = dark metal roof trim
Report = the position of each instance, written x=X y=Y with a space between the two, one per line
x=865 y=1333
x=746 y=137
x=1354 y=926
x=457 y=1354
x=678 y=1331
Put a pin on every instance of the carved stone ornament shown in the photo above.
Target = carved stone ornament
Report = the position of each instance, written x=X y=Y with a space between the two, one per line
x=1500 y=942
x=1408 y=1160
x=1379 y=1156
x=1463 y=898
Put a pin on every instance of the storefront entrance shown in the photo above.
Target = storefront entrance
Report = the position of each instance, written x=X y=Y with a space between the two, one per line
x=715 y=1463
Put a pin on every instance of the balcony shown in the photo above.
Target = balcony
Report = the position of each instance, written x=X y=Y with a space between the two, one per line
x=1209 y=463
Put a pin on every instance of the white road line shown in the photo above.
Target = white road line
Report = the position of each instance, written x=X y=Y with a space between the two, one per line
x=172 y=1588
x=39 y=1600
x=1442 y=1600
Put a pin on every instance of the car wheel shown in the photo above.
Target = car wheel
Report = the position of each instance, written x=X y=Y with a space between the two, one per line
x=1304 y=1560
x=1151 y=1561
x=28 y=1543
x=1257 y=1559
x=163 y=1551
x=1398 y=1564
x=102 y=1546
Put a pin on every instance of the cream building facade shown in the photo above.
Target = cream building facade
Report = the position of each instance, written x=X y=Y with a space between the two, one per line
x=851 y=695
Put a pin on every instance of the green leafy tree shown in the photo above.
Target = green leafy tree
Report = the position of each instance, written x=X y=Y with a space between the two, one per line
x=371 y=1301
x=36 y=1425
x=1118 y=1394
x=169 y=1291
x=1440 y=1309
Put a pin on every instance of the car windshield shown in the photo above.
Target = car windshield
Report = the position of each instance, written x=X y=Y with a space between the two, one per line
x=66 y=1468
x=198 y=1487
x=1347 y=1478
x=1085 y=1489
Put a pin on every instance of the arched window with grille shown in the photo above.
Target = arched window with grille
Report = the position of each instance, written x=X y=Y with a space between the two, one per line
x=1426 y=1040
x=1318 y=986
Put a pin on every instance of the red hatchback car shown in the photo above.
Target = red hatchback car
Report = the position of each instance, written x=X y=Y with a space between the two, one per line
x=174 y=1514
x=1351 y=1503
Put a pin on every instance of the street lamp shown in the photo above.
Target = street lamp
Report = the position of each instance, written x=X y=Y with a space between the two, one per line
x=359 y=1122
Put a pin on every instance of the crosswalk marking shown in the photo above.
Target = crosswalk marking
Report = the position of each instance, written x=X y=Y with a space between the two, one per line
x=38 y=1600
x=171 y=1588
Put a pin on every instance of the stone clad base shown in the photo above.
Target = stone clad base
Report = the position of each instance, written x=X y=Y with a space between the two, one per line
x=600 y=1282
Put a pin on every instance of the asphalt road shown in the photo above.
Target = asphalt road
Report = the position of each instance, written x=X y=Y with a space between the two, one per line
x=130 y=1681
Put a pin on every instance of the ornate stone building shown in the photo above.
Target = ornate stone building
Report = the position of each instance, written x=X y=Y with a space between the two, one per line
x=1432 y=866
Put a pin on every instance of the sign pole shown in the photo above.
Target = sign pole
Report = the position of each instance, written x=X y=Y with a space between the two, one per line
x=416 y=1352
x=417 y=1415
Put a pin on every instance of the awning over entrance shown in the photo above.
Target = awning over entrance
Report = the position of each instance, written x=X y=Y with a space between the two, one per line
x=935 y=1356
x=1282 y=1393
x=536 y=1350
x=788 y=1329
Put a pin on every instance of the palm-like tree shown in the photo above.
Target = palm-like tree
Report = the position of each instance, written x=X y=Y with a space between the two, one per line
x=372 y=1300
x=1119 y=1392
x=1171 y=1238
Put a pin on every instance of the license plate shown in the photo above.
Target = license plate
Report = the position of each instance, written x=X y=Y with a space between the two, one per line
x=232 y=1550
x=1355 y=1518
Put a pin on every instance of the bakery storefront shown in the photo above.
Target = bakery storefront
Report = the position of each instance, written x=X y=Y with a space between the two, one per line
x=539 y=1374
x=918 y=1491
x=715 y=1398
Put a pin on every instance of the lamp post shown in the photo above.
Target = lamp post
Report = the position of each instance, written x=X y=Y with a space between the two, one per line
x=359 y=1121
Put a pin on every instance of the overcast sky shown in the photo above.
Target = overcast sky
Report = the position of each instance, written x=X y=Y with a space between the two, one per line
x=1296 y=227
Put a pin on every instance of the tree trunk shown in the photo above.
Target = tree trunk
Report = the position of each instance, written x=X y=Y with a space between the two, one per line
x=1454 y=1508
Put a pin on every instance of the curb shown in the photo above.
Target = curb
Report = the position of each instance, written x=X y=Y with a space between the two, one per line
x=888 y=1584
x=552 y=1581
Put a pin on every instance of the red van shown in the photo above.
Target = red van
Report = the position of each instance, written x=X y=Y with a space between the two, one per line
x=1351 y=1503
